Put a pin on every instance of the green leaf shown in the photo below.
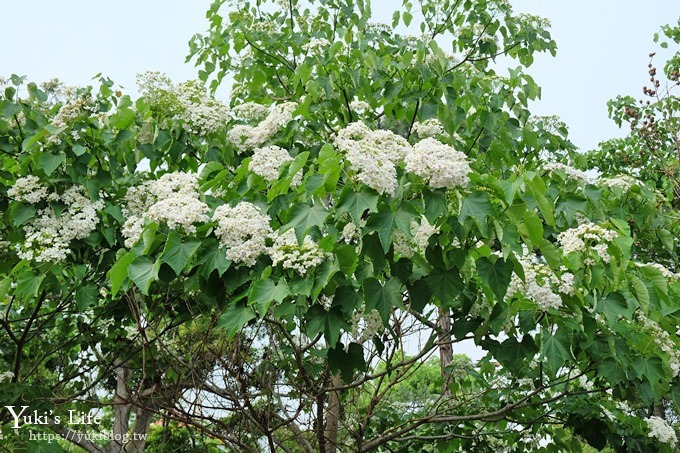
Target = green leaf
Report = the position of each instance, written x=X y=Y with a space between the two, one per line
x=22 y=213
x=78 y=150
x=386 y=223
x=28 y=284
x=85 y=296
x=555 y=351
x=119 y=272
x=666 y=238
x=445 y=285
x=346 y=362
x=477 y=206
x=382 y=298
x=613 y=306
x=651 y=368
x=177 y=254
x=347 y=258
x=495 y=274
x=641 y=293
x=263 y=292
x=330 y=322
x=143 y=271
x=49 y=162
x=538 y=190
x=533 y=227
x=304 y=217
x=419 y=295
x=122 y=119
x=356 y=203
x=612 y=371
x=213 y=258
x=511 y=353
x=44 y=446
x=236 y=316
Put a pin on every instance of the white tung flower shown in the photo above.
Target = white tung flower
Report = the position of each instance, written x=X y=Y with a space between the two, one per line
x=267 y=162
x=669 y=274
x=6 y=376
x=292 y=255
x=246 y=137
x=572 y=173
x=366 y=325
x=438 y=164
x=173 y=199
x=420 y=232
x=429 y=128
x=585 y=237
x=75 y=104
x=359 y=106
x=28 y=189
x=243 y=230
x=48 y=235
x=249 y=111
x=201 y=113
x=663 y=340
x=541 y=284
x=373 y=155
x=623 y=182
x=315 y=46
x=349 y=232
x=662 y=431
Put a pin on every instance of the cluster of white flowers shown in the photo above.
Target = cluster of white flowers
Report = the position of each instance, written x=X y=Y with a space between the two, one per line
x=200 y=113
x=438 y=164
x=188 y=102
x=541 y=284
x=326 y=302
x=28 y=189
x=585 y=237
x=246 y=137
x=249 y=111
x=623 y=182
x=74 y=105
x=172 y=199
x=48 y=235
x=373 y=155
x=669 y=274
x=315 y=46
x=662 y=431
x=154 y=86
x=431 y=128
x=243 y=230
x=6 y=376
x=663 y=340
x=359 y=106
x=349 y=233
x=572 y=173
x=267 y=163
x=402 y=244
x=365 y=325
x=377 y=27
x=420 y=233
x=551 y=123
x=291 y=255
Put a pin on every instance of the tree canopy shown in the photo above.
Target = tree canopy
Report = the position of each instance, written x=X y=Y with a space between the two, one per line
x=293 y=270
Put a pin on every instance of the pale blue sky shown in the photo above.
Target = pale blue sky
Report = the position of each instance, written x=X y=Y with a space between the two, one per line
x=603 y=47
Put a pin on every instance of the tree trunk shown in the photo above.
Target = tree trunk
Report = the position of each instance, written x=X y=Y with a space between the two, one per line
x=332 y=417
x=445 y=349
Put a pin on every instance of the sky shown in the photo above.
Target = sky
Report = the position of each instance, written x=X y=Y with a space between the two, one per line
x=603 y=48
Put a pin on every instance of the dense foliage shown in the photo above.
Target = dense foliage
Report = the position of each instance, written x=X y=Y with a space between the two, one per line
x=294 y=270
